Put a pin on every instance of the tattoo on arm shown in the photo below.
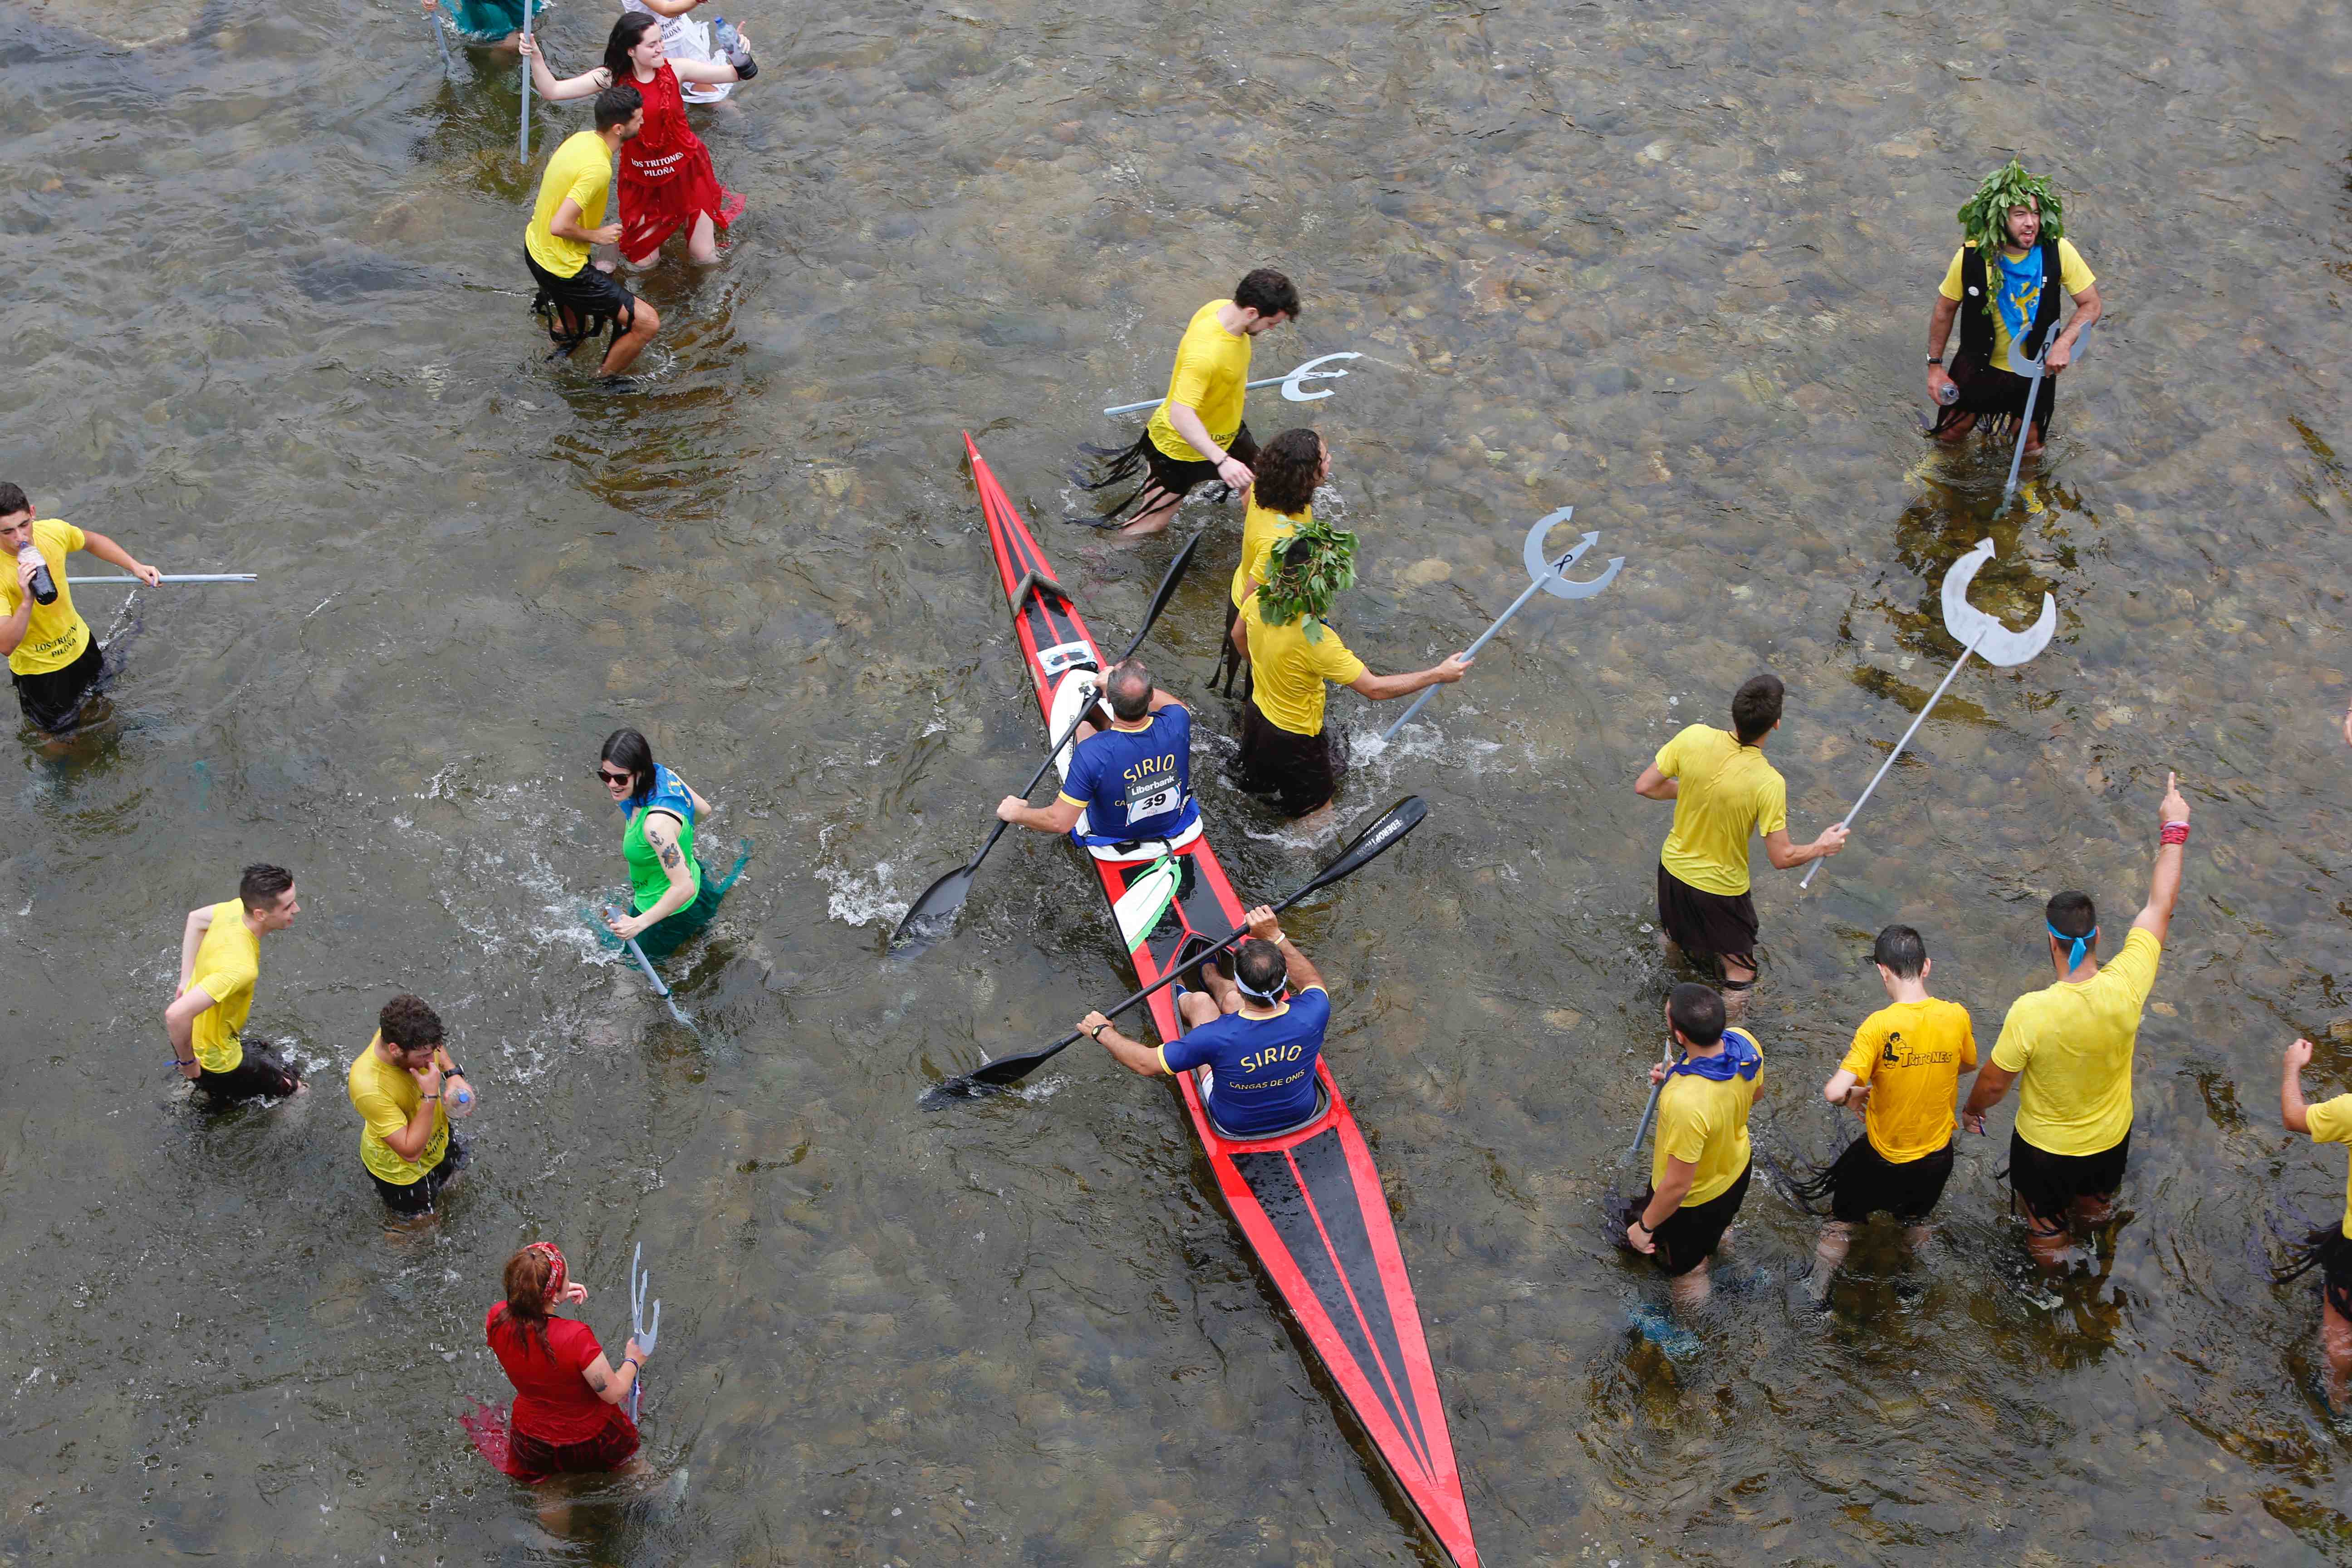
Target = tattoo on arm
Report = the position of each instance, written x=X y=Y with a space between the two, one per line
x=670 y=855
x=596 y=1380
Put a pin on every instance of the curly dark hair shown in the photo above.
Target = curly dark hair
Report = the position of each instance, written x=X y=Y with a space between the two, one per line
x=1287 y=468
x=409 y=1023
x=1268 y=292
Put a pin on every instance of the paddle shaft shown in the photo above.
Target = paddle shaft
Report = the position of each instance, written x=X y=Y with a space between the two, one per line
x=1807 y=880
x=1651 y=1110
x=1051 y=753
x=173 y=577
x=433 y=18
x=1485 y=636
x=1269 y=381
x=522 y=148
x=2033 y=390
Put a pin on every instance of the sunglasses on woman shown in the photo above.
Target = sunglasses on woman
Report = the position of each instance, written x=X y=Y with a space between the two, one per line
x=615 y=778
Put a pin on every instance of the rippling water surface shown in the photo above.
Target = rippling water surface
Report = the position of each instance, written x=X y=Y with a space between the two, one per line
x=1672 y=267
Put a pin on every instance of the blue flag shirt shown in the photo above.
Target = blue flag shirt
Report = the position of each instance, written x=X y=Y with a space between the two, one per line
x=1262 y=1068
x=1135 y=783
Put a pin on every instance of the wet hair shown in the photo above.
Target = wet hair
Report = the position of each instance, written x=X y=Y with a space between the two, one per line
x=618 y=104
x=1261 y=966
x=1129 y=690
x=2073 y=914
x=626 y=35
x=1288 y=470
x=409 y=1023
x=528 y=1274
x=627 y=748
x=1756 y=706
x=1268 y=292
x=1696 y=1013
x=13 y=500
x=261 y=886
x=1901 y=950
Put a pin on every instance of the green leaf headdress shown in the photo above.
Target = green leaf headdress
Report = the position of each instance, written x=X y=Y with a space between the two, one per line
x=1310 y=569
x=1984 y=217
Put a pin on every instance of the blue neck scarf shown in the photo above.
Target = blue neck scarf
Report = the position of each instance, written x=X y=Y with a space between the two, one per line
x=1740 y=1055
x=2019 y=293
x=667 y=793
x=2077 y=945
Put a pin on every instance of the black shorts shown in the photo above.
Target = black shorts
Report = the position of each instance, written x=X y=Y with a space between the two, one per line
x=1149 y=469
x=259 y=1072
x=1707 y=925
x=1864 y=1182
x=52 y=700
x=1690 y=1235
x=2045 y=1187
x=1301 y=771
x=577 y=308
x=2336 y=1268
x=417 y=1196
x=2001 y=394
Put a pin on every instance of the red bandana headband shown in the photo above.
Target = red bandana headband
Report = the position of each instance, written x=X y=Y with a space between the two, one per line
x=555 y=1259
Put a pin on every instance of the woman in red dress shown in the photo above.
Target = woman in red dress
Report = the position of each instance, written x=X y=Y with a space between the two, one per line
x=567 y=1414
x=667 y=180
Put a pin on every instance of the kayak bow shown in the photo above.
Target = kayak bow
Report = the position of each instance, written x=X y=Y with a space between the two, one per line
x=1309 y=1201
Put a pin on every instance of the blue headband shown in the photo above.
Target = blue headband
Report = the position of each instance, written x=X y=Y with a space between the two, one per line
x=2074 y=954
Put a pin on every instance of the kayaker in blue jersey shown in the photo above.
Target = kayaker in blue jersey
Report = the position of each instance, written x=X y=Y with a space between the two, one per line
x=1259 y=1033
x=1130 y=785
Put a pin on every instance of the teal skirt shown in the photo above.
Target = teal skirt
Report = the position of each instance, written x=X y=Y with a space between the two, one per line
x=490 y=22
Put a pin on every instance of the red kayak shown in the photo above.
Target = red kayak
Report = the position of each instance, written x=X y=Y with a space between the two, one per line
x=1309 y=1200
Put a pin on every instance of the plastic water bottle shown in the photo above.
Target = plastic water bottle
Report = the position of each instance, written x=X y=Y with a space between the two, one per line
x=722 y=35
x=45 y=586
x=1949 y=393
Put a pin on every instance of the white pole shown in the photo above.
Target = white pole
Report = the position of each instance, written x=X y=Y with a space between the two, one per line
x=1807 y=880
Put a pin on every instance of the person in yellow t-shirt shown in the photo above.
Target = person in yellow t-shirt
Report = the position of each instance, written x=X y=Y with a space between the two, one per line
x=1723 y=791
x=220 y=961
x=1197 y=434
x=52 y=658
x=1903 y=1073
x=1699 y=1161
x=1286 y=750
x=2330 y=1121
x=1288 y=470
x=579 y=298
x=2004 y=285
x=406 y=1087
x=2069 y=1048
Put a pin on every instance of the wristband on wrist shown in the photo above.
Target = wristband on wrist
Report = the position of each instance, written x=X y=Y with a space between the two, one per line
x=431 y=1097
x=2176 y=832
x=1645 y=1229
x=1934 y=359
x=178 y=1061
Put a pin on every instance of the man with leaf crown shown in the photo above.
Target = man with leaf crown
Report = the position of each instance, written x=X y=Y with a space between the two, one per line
x=1285 y=751
x=2003 y=284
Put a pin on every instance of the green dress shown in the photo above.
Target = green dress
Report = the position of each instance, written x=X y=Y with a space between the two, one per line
x=488 y=21
x=648 y=882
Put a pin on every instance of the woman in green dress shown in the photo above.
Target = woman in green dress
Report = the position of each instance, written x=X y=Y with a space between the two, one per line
x=671 y=897
x=485 y=23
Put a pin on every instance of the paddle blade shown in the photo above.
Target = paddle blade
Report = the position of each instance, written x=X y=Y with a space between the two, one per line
x=988 y=1080
x=1371 y=843
x=932 y=916
x=1167 y=591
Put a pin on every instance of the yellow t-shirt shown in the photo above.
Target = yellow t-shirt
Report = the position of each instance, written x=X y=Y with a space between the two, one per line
x=54 y=633
x=1287 y=671
x=1705 y=1123
x=1212 y=364
x=386 y=1096
x=228 y=960
x=1727 y=790
x=2071 y=1042
x=2073 y=274
x=1912 y=1055
x=1261 y=531
x=2331 y=1123
x=582 y=171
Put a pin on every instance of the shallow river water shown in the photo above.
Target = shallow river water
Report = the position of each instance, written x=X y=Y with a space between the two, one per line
x=1670 y=266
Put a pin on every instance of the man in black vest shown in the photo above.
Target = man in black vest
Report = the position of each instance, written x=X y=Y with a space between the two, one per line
x=2003 y=284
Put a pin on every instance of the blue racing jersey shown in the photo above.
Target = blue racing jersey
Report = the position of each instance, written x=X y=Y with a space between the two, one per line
x=1262 y=1070
x=1135 y=783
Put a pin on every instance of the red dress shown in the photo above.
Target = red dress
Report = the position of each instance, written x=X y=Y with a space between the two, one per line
x=667 y=180
x=559 y=1423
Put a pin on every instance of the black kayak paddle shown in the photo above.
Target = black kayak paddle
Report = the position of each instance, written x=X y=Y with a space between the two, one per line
x=931 y=916
x=1394 y=823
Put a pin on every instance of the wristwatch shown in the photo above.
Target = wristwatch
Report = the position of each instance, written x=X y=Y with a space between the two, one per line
x=1934 y=359
x=1094 y=1033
